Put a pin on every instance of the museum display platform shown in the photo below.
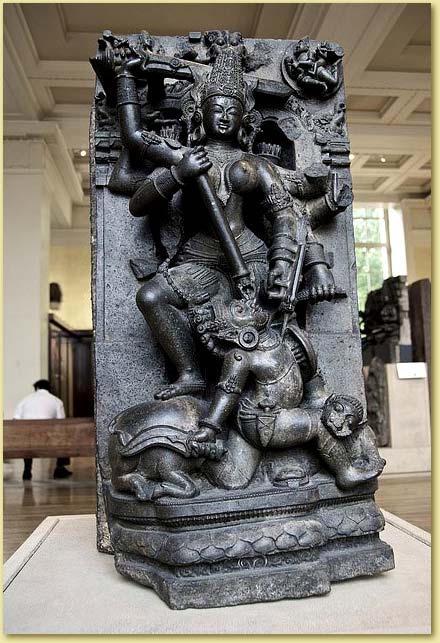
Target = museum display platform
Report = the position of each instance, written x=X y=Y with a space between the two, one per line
x=58 y=583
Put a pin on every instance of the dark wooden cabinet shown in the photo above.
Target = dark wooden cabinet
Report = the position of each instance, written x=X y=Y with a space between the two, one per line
x=419 y=294
x=70 y=367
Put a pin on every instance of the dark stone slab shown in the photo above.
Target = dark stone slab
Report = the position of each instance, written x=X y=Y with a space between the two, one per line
x=419 y=294
x=386 y=323
x=256 y=510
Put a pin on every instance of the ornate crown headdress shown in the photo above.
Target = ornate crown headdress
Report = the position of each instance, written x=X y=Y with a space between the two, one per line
x=226 y=77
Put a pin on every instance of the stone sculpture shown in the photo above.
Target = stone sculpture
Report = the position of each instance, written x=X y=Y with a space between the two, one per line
x=419 y=295
x=376 y=392
x=386 y=323
x=235 y=461
x=313 y=68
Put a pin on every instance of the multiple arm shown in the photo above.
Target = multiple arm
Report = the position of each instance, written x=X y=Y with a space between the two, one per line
x=140 y=143
x=161 y=185
x=323 y=209
x=279 y=206
x=323 y=195
x=184 y=165
x=285 y=211
x=177 y=164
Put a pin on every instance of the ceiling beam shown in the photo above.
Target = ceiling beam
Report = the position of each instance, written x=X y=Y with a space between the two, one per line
x=16 y=27
x=374 y=139
x=53 y=137
x=419 y=118
x=63 y=70
x=414 y=163
x=273 y=21
x=407 y=107
x=17 y=81
x=375 y=31
x=383 y=198
x=306 y=20
x=393 y=81
x=75 y=128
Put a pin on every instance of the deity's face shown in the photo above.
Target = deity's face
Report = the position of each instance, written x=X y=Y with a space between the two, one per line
x=222 y=117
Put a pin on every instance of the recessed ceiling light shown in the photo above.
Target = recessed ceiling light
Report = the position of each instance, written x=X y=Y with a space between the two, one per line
x=383 y=159
x=83 y=153
x=351 y=157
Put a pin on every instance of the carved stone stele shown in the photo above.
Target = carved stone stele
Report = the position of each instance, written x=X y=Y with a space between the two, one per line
x=376 y=389
x=235 y=463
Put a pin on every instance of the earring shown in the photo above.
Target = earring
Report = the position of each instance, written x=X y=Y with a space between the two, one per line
x=196 y=135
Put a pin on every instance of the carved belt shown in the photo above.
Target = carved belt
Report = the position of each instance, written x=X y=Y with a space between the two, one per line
x=206 y=250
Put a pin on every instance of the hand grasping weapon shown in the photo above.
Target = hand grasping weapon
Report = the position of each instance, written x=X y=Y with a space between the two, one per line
x=288 y=305
x=293 y=296
x=239 y=270
x=114 y=51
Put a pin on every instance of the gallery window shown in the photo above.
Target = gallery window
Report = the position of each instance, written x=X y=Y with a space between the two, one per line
x=380 y=246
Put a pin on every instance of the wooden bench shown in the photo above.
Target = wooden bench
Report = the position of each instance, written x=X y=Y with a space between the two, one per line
x=72 y=437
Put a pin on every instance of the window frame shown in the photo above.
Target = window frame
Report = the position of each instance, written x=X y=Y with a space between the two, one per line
x=387 y=245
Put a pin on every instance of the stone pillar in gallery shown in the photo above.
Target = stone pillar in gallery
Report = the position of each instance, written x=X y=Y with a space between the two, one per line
x=28 y=186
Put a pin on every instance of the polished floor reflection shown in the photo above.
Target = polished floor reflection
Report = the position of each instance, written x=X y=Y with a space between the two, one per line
x=26 y=504
x=408 y=497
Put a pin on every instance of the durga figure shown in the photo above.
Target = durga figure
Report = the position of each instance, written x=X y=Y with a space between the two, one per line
x=218 y=260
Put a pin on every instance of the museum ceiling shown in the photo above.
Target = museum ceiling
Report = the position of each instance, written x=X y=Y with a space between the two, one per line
x=48 y=82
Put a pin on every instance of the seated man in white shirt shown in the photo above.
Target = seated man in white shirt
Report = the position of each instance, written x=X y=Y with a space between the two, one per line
x=42 y=405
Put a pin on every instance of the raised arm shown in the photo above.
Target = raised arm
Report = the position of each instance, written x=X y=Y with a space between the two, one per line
x=185 y=165
x=140 y=143
x=143 y=145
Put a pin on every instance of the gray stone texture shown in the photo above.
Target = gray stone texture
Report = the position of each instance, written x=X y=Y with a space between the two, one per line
x=96 y=600
x=262 y=550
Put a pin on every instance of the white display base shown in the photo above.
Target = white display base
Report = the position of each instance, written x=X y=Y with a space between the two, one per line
x=58 y=583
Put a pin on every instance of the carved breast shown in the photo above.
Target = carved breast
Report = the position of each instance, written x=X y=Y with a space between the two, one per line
x=220 y=173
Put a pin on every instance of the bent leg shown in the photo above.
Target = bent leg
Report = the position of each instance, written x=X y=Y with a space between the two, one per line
x=177 y=484
x=294 y=427
x=163 y=309
x=135 y=483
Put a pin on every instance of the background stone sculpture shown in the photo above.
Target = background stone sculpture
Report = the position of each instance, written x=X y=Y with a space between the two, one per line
x=376 y=388
x=386 y=323
x=419 y=294
x=235 y=167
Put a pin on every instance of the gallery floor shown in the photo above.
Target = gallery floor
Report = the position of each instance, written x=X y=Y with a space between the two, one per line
x=26 y=504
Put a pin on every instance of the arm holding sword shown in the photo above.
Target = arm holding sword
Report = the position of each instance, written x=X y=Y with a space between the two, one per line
x=300 y=271
x=177 y=165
